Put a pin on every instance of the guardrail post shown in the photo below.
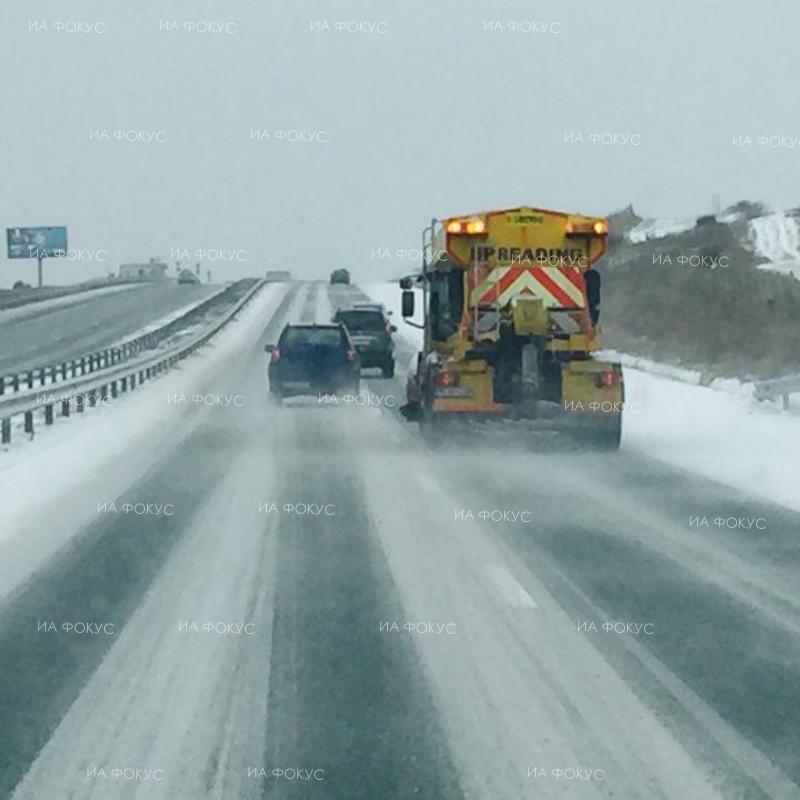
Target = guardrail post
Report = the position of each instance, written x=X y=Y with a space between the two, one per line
x=83 y=365
x=65 y=407
x=133 y=381
x=48 y=414
x=124 y=385
x=30 y=379
x=103 y=392
x=113 y=388
x=63 y=370
x=2 y=384
x=6 y=430
x=93 y=397
x=80 y=403
x=29 y=422
x=15 y=383
x=42 y=372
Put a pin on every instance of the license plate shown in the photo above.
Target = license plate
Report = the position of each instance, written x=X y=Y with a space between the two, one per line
x=454 y=391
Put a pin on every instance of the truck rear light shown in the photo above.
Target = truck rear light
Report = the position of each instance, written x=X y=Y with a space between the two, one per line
x=475 y=226
x=586 y=227
x=608 y=379
x=447 y=379
x=351 y=354
x=275 y=355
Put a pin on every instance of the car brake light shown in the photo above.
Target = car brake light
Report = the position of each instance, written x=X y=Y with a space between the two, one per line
x=351 y=354
x=447 y=379
x=275 y=355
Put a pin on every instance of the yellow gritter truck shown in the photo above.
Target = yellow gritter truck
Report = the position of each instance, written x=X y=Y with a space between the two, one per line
x=511 y=307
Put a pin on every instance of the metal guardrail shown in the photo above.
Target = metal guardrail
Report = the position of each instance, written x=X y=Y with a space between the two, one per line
x=111 y=379
x=101 y=359
x=778 y=387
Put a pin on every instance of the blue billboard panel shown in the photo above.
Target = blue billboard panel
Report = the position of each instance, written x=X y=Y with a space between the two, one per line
x=37 y=242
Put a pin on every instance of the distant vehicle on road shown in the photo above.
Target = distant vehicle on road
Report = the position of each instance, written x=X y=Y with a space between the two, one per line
x=187 y=276
x=20 y=285
x=313 y=359
x=371 y=332
x=340 y=276
x=276 y=275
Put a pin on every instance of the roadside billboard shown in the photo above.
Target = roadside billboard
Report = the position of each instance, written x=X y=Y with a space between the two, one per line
x=47 y=242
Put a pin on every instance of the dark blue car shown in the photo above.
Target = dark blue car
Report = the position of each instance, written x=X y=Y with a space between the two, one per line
x=313 y=359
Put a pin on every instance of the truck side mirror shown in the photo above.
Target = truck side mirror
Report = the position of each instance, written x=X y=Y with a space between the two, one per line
x=408 y=303
x=269 y=348
x=592 y=280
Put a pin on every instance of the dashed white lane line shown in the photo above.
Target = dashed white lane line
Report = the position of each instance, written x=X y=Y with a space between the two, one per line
x=511 y=590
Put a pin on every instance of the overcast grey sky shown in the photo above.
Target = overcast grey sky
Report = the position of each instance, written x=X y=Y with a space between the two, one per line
x=445 y=107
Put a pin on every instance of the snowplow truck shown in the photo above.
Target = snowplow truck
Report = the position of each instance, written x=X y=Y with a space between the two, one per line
x=511 y=304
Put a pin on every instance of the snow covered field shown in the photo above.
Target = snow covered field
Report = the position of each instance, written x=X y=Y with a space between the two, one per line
x=719 y=431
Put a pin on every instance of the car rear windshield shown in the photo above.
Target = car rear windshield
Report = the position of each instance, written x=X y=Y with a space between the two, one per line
x=363 y=320
x=331 y=337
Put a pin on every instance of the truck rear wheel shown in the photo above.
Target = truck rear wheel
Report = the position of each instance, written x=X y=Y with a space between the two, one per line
x=606 y=436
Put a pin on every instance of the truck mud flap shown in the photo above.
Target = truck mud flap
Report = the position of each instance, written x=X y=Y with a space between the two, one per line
x=412 y=412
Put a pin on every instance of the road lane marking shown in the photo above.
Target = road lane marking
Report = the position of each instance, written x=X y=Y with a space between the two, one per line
x=511 y=590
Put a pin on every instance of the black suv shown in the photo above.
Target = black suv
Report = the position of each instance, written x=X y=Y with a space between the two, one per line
x=310 y=359
x=371 y=333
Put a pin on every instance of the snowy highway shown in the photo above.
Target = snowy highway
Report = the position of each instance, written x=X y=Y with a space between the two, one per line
x=228 y=599
x=40 y=334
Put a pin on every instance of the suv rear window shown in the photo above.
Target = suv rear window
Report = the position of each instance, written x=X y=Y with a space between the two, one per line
x=363 y=320
x=330 y=337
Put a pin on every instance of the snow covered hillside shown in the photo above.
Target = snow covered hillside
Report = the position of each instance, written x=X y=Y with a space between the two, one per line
x=776 y=237
x=658 y=228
